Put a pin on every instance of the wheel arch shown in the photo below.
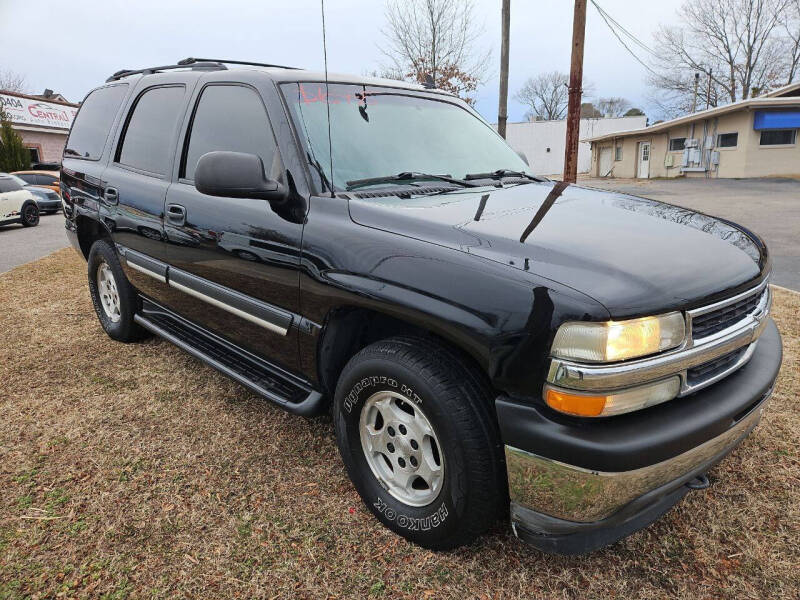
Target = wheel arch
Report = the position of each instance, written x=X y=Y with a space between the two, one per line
x=89 y=231
x=349 y=329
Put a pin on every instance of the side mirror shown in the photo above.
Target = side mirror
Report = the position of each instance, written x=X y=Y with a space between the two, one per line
x=236 y=175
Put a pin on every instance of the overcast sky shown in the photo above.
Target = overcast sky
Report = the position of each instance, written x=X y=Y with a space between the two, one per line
x=72 y=46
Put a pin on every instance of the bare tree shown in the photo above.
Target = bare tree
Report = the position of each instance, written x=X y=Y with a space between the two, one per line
x=792 y=41
x=436 y=39
x=613 y=106
x=545 y=96
x=12 y=82
x=734 y=44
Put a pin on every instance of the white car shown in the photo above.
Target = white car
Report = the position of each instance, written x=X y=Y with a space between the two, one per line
x=17 y=205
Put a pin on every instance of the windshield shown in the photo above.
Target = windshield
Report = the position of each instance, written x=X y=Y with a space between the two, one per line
x=379 y=131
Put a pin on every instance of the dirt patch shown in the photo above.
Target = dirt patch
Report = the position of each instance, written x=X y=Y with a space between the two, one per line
x=136 y=471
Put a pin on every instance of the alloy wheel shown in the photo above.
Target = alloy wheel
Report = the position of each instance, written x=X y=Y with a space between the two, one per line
x=402 y=448
x=108 y=292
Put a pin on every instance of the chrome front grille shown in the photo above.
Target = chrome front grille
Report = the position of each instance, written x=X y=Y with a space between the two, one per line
x=707 y=324
x=714 y=367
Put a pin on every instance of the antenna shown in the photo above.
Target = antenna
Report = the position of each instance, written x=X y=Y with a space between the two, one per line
x=327 y=94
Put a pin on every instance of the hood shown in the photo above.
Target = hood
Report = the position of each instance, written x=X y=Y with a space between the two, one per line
x=635 y=256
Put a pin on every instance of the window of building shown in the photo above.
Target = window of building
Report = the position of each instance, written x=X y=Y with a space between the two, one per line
x=728 y=140
x=618 y=153
x=677 y=144
x=34 y=155
x=778 y=137
x=147 y=140
x=93 y=123
x=232 y=118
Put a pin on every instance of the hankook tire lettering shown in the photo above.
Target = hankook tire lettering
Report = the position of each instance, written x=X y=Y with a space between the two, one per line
x=413 y=523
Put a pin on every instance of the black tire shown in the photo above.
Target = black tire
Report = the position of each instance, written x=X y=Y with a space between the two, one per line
x=121 y=327
x=457 y=404
x=30 y=215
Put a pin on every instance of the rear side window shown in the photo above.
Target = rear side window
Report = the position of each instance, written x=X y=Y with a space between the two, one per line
x=146 y=142
x=94 y=120
x=28 y=177
x=229 y=117
x=8 y=185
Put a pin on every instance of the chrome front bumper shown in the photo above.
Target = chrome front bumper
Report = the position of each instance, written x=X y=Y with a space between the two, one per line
x=580 y=495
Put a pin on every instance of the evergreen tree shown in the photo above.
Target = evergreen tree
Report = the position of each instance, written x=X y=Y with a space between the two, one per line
x=14 y=156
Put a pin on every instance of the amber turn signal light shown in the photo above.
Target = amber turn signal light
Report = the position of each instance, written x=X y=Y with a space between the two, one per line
x=575 y=404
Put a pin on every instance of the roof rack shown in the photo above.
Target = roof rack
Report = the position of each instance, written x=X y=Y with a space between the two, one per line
x=192 y=61
x=196 y=65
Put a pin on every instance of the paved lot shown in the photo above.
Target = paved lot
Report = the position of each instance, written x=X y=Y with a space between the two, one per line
x=770 y=207
x=20 y=245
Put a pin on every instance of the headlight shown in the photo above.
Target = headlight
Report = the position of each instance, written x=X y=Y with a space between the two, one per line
x=618 y=340
x=611 y=403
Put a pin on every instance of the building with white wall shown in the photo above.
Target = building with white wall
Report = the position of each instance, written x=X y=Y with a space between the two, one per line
x=544 y=142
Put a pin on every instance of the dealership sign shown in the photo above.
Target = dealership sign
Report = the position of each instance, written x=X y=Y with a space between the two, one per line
x=28 y=111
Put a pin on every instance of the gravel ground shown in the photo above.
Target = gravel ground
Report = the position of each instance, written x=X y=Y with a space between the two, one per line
x=134 y=471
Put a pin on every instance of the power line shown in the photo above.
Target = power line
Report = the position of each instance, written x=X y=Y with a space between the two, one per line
x=606 y=18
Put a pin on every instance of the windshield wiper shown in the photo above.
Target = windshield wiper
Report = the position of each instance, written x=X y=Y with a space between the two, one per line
x=406 y=177
x=500 y=173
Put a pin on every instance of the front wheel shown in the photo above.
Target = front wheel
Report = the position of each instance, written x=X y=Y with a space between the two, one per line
x=30 y=215
x=419 y=442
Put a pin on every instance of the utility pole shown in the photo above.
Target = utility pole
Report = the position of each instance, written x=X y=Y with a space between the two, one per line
x=502 y=109
x=575 y=92
x=694 y=98
x=708 y=92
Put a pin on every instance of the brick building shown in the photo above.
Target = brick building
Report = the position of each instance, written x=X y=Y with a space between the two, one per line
x=43 y=124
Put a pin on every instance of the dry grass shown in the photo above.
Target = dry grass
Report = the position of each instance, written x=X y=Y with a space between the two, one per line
x=135 y=471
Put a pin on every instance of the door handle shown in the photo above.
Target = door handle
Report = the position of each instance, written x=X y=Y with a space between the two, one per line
x=176 y=214
x=111 y=195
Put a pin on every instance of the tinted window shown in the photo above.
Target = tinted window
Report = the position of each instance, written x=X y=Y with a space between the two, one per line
x=728 y=140
x=778 y=137
x=8 y=185
x=27 y=177
x=94 y=120
x=229 y=117
x=148 y=136
x=677 y=144
x=48 y=180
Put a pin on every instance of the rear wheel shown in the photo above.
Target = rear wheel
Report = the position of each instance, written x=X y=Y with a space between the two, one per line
x=419 y=442
x=115 y=299
x=30 y=215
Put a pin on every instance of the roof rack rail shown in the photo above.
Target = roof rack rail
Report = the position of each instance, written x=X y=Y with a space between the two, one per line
x=192 y=61
x=195 y=65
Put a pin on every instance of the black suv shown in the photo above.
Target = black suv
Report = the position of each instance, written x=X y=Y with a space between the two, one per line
x=482 y=337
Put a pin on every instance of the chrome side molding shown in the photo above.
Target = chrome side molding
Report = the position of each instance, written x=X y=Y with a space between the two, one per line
x=260 y=313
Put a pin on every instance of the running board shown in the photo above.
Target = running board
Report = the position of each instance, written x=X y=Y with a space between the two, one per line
x=274 y=384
